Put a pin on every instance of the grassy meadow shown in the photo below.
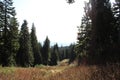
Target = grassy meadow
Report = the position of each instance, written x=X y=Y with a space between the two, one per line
x=61 y=72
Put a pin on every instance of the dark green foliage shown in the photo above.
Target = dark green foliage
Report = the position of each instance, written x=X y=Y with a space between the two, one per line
x=98 y=37
x=72 y=54
x=35 y=46
x=25 y=55
x=101 y=31
x=84 y=35
x=6 y=30
x=13 y=41
x=54 y=55
x=40 y=48
x=1 y=31
x=46 y=51
x=62 y=52
x=67 y=52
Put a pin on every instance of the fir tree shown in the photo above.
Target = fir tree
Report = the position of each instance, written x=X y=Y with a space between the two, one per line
x=72 y=54
x=40 y=48
x=35 y=46
x=54 y=55
x=25 y=55
x=1 y=31
x=7 y=11
x=46 y=51
x=101 y=30
x=14 y=41
x=84 y=34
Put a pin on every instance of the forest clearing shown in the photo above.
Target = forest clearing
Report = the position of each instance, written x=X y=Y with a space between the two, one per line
x=61 y=72
x=91 y=53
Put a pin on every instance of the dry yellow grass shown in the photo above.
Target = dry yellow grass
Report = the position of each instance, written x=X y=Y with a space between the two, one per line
x=48 y=73
x=30 y=73
x=108 y=72
x=74 y=73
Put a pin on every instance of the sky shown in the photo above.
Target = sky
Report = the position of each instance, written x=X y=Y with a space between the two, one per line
x=53 y=18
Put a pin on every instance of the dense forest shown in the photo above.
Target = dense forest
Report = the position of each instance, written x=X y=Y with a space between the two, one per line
x=98 y=38
x=99 y=33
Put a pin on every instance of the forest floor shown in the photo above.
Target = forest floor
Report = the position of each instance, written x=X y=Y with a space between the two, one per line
x=63 y=71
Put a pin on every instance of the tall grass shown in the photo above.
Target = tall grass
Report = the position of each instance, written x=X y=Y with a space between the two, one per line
x=108 y=72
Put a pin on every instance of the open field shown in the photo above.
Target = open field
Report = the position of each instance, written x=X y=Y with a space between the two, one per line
x=61 y=73
x=38 y=73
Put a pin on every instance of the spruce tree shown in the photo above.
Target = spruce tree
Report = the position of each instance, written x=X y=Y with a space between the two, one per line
x=101 y=30
x=1 y=31
x=13 y=41
x=72 y=54
x=25 y=55
x=84 y=34
x=35 y=46
x=46 y=51
x=40 y=48
x=7 y=12
x=54 y=55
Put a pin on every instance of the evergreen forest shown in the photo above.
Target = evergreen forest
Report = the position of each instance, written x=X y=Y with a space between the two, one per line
x=94 y=56
x=98 y=38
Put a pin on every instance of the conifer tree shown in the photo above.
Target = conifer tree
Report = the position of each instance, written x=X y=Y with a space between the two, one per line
x=84 y=34
x=72 y=54
x=46 y=51
x=1 y=31
x=14 y=41
x=40 y=48
x=35 y=46
x=7 y=11
x=101 y=30
x=54 y=55
x=25 y=55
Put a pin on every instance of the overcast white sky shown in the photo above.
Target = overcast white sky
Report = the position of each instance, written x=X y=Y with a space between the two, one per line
x=53 y=18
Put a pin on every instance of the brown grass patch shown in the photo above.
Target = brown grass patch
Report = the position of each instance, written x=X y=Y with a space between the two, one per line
x=108 y=72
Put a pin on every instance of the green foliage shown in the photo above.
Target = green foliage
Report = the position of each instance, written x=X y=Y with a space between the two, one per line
x=25 y=55
x=35 y=46
x=72 y=54
x=67 y=52
x=1 y=30
x=54 y=55
x=98 y=38
x=8 y=33
x=62 y=52
x=101 y=31
x=84 y=34
x=40 y=48
x=46 y=51
x=98 y=33
x=14 y=44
